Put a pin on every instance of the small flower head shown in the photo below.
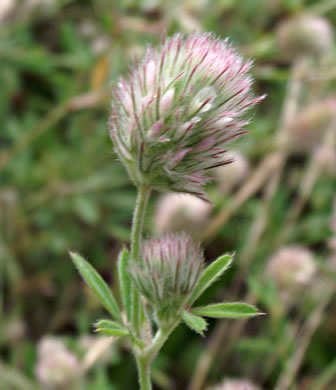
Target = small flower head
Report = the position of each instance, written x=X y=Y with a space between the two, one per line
x=307 y=129
x=6 y=8
x=169 y=269
x=173 y=116
x=236 y=384
x=291 y=268
x=231 y=175
x=57 y=368
x=305 y=35
x=181 y=212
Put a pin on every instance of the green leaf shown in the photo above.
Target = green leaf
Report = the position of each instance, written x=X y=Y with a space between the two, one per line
x=125 y=282
x=214 y=271
x=111 y=328
x=196 y=323
x=227 y=310
x=97 y=284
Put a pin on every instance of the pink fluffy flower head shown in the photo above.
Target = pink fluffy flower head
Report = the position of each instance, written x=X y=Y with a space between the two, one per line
x=169 y=270
x=174 y=114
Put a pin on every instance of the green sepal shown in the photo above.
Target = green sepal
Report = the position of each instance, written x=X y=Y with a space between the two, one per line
x=214 y=271
x=111 y=328
x=125 y=282
x=227 y=310
x=196 y=323
x=97 y=284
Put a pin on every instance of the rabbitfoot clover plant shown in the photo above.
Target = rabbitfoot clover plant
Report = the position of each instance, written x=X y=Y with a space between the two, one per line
x=171 y=121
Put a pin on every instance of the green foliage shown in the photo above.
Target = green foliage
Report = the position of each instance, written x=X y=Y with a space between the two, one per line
x=110 y=328
x=196 y=323
x=227 y=310
x=212 y=273
x=125 y=282
x=97 y=284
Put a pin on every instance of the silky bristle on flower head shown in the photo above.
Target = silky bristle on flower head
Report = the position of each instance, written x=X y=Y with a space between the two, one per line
x=169 y=270
x=174 y=114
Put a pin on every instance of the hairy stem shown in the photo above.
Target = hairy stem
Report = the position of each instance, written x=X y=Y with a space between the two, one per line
x=136 y=238
x=144 y=360
x=137 y=310
x=138 y=221
x=143 y=366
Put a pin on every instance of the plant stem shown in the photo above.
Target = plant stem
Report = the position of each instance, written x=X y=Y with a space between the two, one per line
x=136 y=238
x=146 y=356
x=143 y=365
x=160 y=338
x=145 y=359
x=138 y=221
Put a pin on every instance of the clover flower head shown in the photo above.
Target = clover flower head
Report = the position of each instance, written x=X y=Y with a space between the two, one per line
x=181 y=212
x=57 y=367
x=177 y=110
x=231 y=175
x=310 y=124
x=236 y=384
x=304 y=35
x=168 y=272
x=291 y=268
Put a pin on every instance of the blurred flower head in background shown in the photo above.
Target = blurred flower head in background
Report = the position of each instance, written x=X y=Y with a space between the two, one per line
x=174 y=115
x=6 y=6
x=310 y=124
x=57 y=367
x=231 y=175
x=291 y=268
x=181 y=212
x=236 y=384
x=304 y=35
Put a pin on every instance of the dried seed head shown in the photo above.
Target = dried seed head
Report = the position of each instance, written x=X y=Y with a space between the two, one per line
x=229 y=176
x=304 y=35
x=177 y=110
x=236 y=384
x=291 y=268
x=169 y=269
x=308 y=127
x=57 y=368
x=181 y=212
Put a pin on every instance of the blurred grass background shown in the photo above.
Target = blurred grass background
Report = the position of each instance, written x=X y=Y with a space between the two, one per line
x=62 y=188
